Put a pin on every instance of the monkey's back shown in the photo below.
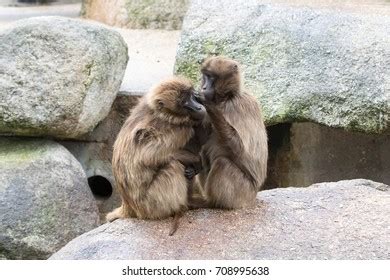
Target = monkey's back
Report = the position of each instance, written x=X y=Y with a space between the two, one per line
x=125 y=159
x=244 y=114
x=138 y=159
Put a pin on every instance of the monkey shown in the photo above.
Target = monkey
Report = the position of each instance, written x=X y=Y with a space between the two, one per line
x=235 y=155
x=153 y=150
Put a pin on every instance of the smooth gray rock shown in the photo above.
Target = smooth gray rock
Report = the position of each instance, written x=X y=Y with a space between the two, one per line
x=45 y=200
x=58 y=76
x=324 y=66
x=342 y=220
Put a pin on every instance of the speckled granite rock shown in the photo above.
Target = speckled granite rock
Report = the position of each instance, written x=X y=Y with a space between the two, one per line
x=58 y=76
x=303 y=64
x=342 y=220
x=137 y=14
x=45 y=200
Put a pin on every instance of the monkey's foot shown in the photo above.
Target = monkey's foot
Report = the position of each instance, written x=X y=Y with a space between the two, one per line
x=115 y=214
x=196 y=202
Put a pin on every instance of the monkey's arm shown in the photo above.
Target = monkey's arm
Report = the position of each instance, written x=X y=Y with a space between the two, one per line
x=192 y=162
x=227 y=134
x=152 y=147
x=155 y=149
x=186 y=157
x=230 y=139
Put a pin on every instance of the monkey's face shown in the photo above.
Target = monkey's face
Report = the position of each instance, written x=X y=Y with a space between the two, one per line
x=190 y=103
x=220 y=79
x=208 y=85
x=177 y=97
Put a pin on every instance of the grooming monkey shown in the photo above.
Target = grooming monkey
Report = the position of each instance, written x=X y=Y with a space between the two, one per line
x=235 y=155
x=153 y=155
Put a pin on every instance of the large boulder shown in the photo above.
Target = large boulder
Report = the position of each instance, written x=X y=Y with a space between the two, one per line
x=139 y=14
x=58 y=76
x=343 y=220
x=303 y=64
x=45 y=200
x=95 y=153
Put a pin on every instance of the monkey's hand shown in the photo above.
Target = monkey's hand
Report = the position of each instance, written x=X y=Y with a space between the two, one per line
x=193 y=169
x=190 y=172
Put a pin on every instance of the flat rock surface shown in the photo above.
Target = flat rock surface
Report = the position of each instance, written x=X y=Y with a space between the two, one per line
x=304 y=64
x=342 y=220
x=45 y=200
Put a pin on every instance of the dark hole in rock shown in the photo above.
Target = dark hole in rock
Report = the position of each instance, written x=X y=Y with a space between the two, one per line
x=278 y=139
x=100 y=186
x=301 y=154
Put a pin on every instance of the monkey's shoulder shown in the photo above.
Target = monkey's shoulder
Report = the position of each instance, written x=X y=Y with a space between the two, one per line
x=146 y=133
x=143 y=135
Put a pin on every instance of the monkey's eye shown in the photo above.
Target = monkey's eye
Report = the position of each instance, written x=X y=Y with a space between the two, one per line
x=184 y=98
x=212 y=78
x=209 y=75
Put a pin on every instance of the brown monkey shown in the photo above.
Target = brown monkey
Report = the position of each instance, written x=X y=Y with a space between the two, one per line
x=151 y=152
x=235 y=155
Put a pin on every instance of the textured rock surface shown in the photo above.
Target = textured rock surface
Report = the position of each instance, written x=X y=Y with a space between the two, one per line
x=343 y=220
x=303 y=64
x=58 y=76
x=138 y=14
x=45 y=200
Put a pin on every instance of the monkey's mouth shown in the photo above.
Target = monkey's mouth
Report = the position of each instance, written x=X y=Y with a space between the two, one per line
x=193 y=107
x=192 y=104
x=207 y=95
x=197 y=113
x=198 y=97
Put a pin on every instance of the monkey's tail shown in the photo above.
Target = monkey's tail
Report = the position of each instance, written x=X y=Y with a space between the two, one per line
x=175 y=222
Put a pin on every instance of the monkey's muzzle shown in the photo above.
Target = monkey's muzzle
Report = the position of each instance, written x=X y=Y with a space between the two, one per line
x=196 y=109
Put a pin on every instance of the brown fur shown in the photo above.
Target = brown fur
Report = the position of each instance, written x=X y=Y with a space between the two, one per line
x=235 y=156
x=149 y=158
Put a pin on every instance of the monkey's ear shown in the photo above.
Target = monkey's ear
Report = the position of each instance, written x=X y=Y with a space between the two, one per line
x=142 y=136
x=235 y=68
x=159 y=104
x=201 y=60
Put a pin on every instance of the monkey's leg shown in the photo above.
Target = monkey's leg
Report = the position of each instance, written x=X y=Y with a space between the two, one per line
x=196 y=195
x=228 y=187
x=167 y=194
x=121 y=212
